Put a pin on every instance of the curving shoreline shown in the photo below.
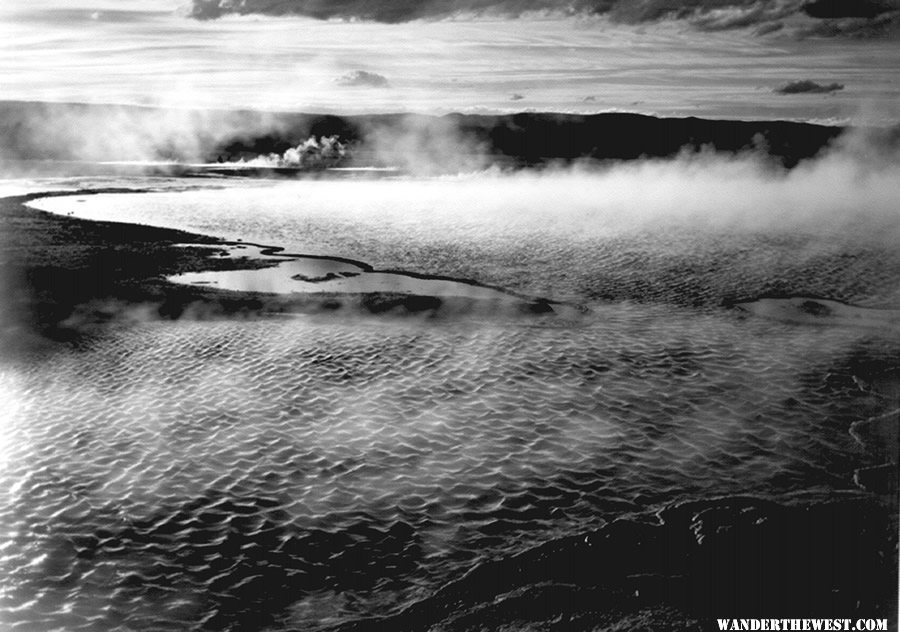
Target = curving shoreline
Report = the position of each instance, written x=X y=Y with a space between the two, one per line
x=97 y=269
x=67 y=273
x=70 y=274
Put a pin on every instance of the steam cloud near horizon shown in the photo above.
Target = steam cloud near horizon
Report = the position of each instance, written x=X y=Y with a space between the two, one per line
x=111 y=133
x=325 y=151
x=418 y=145
x=856 y=178
x=822 y=18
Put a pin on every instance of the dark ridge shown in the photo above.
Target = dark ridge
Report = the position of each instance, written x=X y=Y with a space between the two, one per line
x=733 y=557
x=536 y=138
x=56 y=131
x=524 y=140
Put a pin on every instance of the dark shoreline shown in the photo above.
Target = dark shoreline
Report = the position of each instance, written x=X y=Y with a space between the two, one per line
x=65 y=274
x=68 y=276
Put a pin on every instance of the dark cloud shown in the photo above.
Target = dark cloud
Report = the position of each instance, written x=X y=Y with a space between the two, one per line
x=765 y=16
x=392 y=11
x=886 y=25
x=845 y=8
x=704 y=13
x=362 y=78
x=808 y=87
x=516 y=97
x=761 y=15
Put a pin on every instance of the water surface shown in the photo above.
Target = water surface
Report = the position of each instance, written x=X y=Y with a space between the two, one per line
x=303 y=471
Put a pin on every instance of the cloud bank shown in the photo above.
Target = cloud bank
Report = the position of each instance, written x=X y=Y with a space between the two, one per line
x=856 y=18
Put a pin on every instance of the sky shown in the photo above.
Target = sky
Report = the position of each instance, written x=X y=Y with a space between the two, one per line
x=709 y=58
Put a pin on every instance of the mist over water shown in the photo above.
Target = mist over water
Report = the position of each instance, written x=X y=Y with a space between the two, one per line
x=559 y=233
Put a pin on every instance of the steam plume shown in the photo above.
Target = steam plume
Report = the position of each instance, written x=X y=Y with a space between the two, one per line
x=327 y=151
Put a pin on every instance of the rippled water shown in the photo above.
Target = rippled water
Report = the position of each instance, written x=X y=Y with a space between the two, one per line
x=297 y=472
x=157 y=474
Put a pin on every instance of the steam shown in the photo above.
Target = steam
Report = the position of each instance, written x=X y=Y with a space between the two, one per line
x=424 y=146
x=98 y=133
x=323 y=152
x=853 y=185
x=416 y=145
x=178 y=138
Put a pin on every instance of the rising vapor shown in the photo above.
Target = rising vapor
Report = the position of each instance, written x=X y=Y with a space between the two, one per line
x=313 y=153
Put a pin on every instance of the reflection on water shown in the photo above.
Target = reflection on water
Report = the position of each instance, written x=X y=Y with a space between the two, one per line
x=305 y=275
